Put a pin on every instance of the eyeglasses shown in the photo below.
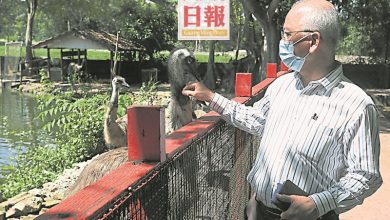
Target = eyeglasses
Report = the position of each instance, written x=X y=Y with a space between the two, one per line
x=288 y=35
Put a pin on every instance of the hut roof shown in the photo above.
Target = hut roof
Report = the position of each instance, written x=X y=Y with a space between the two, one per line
x=88 y=39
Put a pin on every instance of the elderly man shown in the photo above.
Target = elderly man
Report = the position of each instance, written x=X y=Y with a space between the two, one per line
x=318 y=129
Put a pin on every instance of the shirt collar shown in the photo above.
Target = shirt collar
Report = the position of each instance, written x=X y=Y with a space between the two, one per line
x=329 y=81
x=333 y=78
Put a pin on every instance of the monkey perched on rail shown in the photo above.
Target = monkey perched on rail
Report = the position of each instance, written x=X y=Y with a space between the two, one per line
x=182 y=69
x=181 y=110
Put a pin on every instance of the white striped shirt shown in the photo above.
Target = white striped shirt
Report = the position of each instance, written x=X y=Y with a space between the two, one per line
x=323 y=137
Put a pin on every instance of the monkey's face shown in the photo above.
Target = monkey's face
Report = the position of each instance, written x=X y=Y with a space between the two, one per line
x=182 y=69
x=189 y=67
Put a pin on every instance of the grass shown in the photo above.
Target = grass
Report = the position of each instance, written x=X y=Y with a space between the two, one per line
x=55 y=53
x=203 y=58
x=2 y=50
x=105 y=55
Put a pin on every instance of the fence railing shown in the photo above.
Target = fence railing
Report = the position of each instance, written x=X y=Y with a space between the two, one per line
x=203 y=177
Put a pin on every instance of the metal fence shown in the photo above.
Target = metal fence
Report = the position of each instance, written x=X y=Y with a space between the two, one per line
x=205 y=180
x=12 y=60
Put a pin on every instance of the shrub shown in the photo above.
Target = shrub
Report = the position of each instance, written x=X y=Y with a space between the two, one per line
x=78 y=127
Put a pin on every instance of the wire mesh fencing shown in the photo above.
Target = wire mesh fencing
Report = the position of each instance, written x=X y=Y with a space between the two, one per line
x=12 y=59
x=205 y=180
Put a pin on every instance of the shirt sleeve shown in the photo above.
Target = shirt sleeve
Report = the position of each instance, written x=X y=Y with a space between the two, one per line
x=362 y=177
x=248 y=118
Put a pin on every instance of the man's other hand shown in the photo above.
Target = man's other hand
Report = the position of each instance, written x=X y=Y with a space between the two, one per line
x=301 y=208
x=199 y=91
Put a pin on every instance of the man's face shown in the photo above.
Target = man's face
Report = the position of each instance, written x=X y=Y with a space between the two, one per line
x=294 y=32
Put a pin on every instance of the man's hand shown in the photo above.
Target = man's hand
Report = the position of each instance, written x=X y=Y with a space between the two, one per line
x=199 y=91
x=301 y=208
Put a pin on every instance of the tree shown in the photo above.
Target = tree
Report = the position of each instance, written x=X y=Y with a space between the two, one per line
x=209 y=78
x=266 y=14
x=31 y=10
x=366 y=27
x=63 y=14
x=270 y=15
x=11 y=13
x=151 y=25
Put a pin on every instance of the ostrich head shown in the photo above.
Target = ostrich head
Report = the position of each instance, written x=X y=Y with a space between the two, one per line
x=182 y=69
x=119 y=82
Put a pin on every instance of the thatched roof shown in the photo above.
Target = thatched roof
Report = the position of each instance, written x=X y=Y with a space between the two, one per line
x=88 y=39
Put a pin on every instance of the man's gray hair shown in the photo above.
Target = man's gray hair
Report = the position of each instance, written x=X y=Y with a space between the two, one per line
x=326 y=21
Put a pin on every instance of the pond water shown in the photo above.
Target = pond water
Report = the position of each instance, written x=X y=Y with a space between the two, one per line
x=18 y=127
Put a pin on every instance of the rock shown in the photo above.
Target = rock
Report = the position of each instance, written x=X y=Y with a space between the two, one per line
x=31 y=201
x=35 y=192
x=29 y=217
x=58 y=195
x=29 y=205
x=50 y=186
x=43 y=210
x=80 y=165
x=12 y=201
x=50 y=202
x=12 y=212
x=2 y=215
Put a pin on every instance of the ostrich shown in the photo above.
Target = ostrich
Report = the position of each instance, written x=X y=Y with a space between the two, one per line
x=182 y=70
x=114 y=129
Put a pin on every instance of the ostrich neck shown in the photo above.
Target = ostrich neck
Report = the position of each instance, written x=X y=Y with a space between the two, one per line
x=114 y=97
x=111 y=114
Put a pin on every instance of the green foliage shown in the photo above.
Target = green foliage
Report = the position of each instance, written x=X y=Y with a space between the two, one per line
x=154 y=24
x=45 y=81
x=147 y=93
x=366 y=28
x=55 y=53
x=78 y=126
x=150 y=25
x=218 y=58
x=73 y=78
x=12 y=20
x=76 y=122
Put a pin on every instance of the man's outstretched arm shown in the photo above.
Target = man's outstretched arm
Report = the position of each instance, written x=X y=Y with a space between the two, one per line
x=248 y=118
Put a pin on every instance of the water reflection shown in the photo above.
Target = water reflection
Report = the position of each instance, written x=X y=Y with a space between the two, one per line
x=17 y=125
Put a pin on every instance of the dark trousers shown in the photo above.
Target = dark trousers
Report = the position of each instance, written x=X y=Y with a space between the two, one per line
x=258 y=211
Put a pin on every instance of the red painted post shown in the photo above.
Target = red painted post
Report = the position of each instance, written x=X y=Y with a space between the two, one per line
x=243 y=84
x=146 y=133
x=271 y=70
x=283 y=66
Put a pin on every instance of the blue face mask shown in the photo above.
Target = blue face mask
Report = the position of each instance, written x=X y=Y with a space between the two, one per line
x=286 y=54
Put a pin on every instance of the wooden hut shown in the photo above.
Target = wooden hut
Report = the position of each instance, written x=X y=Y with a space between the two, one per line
x=74 y=44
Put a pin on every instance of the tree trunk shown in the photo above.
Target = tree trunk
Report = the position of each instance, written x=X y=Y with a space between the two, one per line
x=209 y=79
x=31 y=9
x=253 y=47
x=238 y=45
x=266 y=17
x=272 y=41
x=238 y=38
x=387 y=40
